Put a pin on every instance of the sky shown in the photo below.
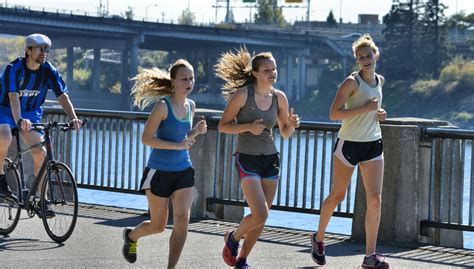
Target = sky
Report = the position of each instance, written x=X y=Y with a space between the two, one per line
x=170 y=10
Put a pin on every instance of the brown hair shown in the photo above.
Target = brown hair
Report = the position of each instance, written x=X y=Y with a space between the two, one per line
x=235 y=68
x=363 y=42
x=153 y=83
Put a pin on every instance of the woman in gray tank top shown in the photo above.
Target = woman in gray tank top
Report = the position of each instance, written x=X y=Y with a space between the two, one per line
x=358 y=104
x=253 y=109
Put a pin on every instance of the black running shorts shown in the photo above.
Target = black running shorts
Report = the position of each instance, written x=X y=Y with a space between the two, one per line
x=164 y=183
x=260 y=166
x=351 y=153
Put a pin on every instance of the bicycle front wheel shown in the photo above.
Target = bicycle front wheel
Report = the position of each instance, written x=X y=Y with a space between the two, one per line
x=10 y=210
x=59 y=203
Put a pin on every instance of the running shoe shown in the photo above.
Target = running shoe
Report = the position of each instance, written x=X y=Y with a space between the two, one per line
x=242 y=264
x=375 y=261
x=231 y=249
x=317 y=251
x=129 y=249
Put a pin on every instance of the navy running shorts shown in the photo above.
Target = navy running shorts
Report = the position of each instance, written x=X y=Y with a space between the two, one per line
x=261 y=166
x=351 y=153
x=164 y=183
x=6 y=116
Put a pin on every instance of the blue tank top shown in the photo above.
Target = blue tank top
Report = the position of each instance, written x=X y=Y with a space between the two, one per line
x=174 y=130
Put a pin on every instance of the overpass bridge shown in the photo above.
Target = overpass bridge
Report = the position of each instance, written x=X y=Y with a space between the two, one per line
x=299 y=54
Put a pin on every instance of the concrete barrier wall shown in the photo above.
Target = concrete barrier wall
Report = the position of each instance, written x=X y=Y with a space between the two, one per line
x=405 y=194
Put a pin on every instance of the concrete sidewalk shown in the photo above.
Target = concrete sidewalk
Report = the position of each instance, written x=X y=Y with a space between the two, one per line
x=97 y=242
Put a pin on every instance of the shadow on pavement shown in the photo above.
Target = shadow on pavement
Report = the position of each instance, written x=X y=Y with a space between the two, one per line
x=26 y=244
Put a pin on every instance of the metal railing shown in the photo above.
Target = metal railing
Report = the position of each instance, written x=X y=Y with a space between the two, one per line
x=451 y=191
x=107 y=154
x=305 y=173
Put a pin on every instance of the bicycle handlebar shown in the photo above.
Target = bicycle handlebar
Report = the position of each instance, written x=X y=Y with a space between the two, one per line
x=63 y=126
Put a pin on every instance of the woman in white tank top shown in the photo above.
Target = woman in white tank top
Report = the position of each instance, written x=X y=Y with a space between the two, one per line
x=358 y=104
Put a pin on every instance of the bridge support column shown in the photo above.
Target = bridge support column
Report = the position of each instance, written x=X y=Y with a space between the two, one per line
x=96 y=71
x=301 y=77
x=131 y=70
x=290 y=59
x=70 y=67
x=212 y=60
x=125 y=79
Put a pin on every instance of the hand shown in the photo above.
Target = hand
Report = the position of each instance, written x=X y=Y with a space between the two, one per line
x=293 y=119
x=24 y=124
x=372 y=104
x=187 y=143
x=257 y=127
x=76 y=124
x=201 y=127
x=382 y=114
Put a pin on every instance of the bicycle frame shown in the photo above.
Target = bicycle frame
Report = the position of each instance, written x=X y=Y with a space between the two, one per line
x=27 y=195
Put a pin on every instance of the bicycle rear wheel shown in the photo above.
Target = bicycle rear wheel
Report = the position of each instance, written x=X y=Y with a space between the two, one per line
x=10 y=210
x=59 y=203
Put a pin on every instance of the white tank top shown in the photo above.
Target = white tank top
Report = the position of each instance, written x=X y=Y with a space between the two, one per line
x=362 y=127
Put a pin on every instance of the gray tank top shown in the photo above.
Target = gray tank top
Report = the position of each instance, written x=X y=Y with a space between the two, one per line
x=262 y=144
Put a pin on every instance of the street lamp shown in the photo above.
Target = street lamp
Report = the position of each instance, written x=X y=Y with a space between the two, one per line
x=146 y=10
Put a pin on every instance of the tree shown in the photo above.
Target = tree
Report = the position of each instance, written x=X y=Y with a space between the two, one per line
x=460 y=21
x=330 y=20
x=187 y=17
x=269 y=13
x=398 y=46
x=432 y=51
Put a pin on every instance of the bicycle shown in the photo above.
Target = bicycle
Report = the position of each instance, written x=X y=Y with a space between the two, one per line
x=58 y=202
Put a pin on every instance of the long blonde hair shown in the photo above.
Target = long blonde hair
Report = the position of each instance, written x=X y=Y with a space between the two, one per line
x=235 y=68
x=154 y=83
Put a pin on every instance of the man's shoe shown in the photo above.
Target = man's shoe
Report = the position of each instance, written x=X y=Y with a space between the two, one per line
x=49 y=212
x=5 y=191
x=129 y=249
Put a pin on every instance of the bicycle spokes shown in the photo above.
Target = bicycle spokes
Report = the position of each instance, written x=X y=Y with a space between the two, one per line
x=59 y=203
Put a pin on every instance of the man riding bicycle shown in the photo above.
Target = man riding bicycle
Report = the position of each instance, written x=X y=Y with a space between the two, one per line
x=25 y=83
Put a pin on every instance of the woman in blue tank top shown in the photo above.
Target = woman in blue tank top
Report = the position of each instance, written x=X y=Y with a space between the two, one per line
x=358 y=104
x=169 y=173
x=253 y=109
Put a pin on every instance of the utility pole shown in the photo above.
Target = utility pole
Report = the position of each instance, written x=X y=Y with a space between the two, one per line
x=227 y=14
x=308 y=21
x=275 y=6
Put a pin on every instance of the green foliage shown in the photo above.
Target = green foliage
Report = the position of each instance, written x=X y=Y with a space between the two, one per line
x=432 y=48
x=153 y=58
x=81 y=78
x=316 y=106
x=269 y=13
x=330 y=20
x=461 y=21
x=425 y=87
x=187 y=17
x=447 y=98
x=415 y=40
x=462 y=116
x=398 y=50
x=10 y=49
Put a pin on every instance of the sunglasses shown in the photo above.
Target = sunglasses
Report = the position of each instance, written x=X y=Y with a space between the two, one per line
x=44 y=50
